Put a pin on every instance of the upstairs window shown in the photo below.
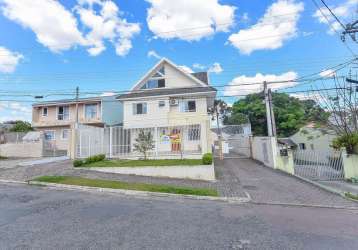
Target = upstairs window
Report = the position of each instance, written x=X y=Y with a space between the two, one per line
x=156 y=81
x=63 y=113
x=139 y=108
x=44 y=111
x=90 y=111
x=188 y=106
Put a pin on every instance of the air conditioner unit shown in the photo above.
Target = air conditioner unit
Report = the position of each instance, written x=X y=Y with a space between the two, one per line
x=173 y=102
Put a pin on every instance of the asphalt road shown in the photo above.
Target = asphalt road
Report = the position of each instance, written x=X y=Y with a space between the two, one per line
x=38 y=218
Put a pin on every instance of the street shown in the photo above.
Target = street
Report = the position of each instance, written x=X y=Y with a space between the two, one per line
x=34 y=217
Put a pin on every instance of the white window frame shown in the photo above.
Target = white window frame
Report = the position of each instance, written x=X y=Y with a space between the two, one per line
x=69 y=113
x=54 y=135
x=135 y=105
x=97 y=111
x=43 y=113
x=68 y=134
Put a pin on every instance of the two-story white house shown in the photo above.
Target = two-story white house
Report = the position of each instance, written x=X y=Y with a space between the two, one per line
x=176 y=104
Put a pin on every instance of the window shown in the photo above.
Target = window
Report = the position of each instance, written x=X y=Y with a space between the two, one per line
x=156 y=81
x=194 y=133
x=63 y=113
x=44 y=111
x=188 y=106
x=161 y=104
x=65 y=133
x=302 y=146
x=49 y=135
x=90 y=111
x=139 y=108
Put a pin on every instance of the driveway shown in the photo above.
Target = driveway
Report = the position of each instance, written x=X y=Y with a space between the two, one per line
x=12 y=163
x=266 y=185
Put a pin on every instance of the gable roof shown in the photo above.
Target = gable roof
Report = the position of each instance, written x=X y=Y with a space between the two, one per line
x=167 y=91
x=165 y=60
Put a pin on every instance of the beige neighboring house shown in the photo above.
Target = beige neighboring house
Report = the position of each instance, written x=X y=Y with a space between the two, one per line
x=315 y=139
x=176 y=103
x=56 y=118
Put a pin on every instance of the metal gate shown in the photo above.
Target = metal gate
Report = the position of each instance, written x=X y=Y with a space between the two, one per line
x=318 y=165
x=236 y=142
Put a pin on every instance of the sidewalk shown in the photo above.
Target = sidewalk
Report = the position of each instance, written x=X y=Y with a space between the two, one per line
x=341 y=186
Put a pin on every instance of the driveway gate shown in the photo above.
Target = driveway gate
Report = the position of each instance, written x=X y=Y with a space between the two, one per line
x=318 y=165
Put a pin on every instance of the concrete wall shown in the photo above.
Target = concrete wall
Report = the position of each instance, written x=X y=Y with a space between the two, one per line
x=22 y=150
x=201 y=172
x=285 y=163
x=350 y=165
x=264 y=149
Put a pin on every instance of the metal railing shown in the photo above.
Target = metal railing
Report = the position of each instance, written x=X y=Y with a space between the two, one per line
x=318 y=165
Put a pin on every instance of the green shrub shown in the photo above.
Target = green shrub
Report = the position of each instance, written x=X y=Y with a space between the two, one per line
x=77 y=163
x=207 y=158
x=95 y=158
x=348 y=141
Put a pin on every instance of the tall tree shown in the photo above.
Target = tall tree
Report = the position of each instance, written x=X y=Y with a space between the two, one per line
x=21 y=126
x=290 y=113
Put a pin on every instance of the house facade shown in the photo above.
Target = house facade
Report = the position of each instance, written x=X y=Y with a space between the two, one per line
x=176 y=104
x=55 y=119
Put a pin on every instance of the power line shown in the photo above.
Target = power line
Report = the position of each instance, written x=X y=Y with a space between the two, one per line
x=329 y=9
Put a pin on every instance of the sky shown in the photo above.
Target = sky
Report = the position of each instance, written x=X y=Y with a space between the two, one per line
x=49 y=47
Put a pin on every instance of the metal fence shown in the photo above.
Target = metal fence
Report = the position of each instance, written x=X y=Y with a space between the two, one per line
x=318 y=165
x=120 y=142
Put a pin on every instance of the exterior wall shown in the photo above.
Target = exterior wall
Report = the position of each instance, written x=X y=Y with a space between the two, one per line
x=22 y=150
x=112 y=111
x=164 y=116
x=285 y=163
x=264 y=149
x=314 y=137
x=201 y=172
x=51 y=119
x=173 y=79
x=350 y=165
x=58 y=142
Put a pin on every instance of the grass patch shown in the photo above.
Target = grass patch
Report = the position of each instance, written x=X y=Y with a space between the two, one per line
x=351 y=196
x=78 y=181
x=145 y=163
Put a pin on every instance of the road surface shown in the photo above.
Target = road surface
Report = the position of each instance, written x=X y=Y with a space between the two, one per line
x=39 y=218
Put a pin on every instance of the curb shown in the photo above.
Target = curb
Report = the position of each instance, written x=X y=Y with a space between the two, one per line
x=12 y=181
x=301 y=205
x=236 y=200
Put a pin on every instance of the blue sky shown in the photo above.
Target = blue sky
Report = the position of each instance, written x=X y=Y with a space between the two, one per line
x=51 y=47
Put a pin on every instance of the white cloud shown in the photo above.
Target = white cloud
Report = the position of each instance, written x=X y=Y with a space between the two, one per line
x=54 y=26
x=199 y=66
x=243 y=85
x=272 y=30
x=216 y=68
x=186 y=69
x=327 y=73
x=189 y=20
x=343 y=10
x=58 y=29
x=14 y=111
x=104 y=22
x=108 y=94
x=9 y=60
x=154 y=54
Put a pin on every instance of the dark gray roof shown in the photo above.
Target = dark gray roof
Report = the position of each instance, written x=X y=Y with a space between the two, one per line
x=54 y=102
x=286 y=141
x=165 y=91
x=202 y=76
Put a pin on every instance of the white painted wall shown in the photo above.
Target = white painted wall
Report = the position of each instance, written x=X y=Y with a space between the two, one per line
x=22 y=150
x=200 y=172
x=264 y=149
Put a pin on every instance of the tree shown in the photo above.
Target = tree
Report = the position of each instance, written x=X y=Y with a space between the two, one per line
x=290 y=113
x=144 y=143
x=21 y=126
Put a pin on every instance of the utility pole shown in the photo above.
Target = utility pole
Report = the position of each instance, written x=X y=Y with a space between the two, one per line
x=273 y=122
x=268 y=110
x=77 y=97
